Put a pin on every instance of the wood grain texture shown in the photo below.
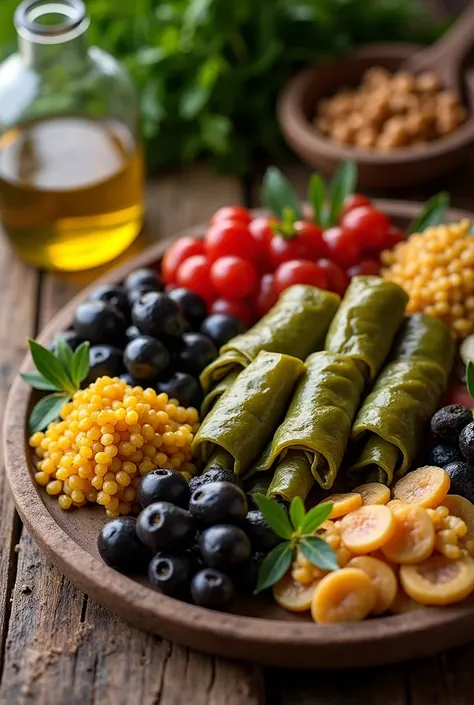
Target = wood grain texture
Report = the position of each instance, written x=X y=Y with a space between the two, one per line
x=63 y=647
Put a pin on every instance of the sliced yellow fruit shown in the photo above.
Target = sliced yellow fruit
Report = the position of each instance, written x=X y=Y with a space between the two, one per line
x=414 y=537
x=367 y=529
x=343 y=503
x=438 y=580
x=382 y=578
x=427 y=487
x=346 y=595
x=374 y=493
x=293 y=596
x=461 y=507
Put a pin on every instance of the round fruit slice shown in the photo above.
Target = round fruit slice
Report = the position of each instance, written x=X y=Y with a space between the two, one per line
x=346 y=595
x=293 y=596
x=343 y=503
x=367 y=529
x=427 y=487
x=462 y=508
x=414 y=536
x=402 y=603
x=382 y=578
x=374 y=493
x=438 y=580
x=393 y=503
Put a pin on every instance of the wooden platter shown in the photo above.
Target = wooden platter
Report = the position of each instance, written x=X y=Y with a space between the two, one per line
x=257 y=630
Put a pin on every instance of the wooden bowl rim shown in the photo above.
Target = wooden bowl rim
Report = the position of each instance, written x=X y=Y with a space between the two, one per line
x=294 y=122
x=122 y=594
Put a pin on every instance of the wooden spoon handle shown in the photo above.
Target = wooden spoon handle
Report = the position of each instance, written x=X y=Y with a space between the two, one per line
x=445 y=57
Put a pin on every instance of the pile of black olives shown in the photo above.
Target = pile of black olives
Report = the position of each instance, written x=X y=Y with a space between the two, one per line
x=200 y=544
x=150 y=337
x=452 y=428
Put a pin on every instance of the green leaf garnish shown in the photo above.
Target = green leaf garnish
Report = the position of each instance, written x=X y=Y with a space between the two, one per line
x=315 y=517
x=62 y=372
x=432 y=214
x=47 y=410
x=318 y=552
x=274 y=514
x=470 y=378
x=317 y=198
x=274 y=566
x=80 y=364
x=279 y=196
x=37 y=381
x=341 y=186
x=297 y=512
x=314 y=548
x=50 y=367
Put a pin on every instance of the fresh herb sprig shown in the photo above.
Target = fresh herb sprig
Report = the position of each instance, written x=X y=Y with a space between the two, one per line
x=432 y=214
x=326 y=200
x=470 y=378
x=60 y=372
x=297 y=531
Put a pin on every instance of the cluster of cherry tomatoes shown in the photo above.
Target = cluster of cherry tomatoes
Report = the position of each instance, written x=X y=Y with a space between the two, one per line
x=245 y=262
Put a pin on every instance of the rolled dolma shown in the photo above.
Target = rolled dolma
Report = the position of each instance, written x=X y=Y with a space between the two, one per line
x=244 y=419
x=367 y=321
x=423 y=337
x=217 y=391
x=318 y=422
x=296 y=325
x=391 y=421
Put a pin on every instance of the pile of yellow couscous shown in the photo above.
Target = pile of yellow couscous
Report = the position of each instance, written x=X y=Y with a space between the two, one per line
x=109 y=435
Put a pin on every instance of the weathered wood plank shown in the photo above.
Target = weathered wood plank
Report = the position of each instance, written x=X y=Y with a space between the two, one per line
x=64 y=648
x=18 y=285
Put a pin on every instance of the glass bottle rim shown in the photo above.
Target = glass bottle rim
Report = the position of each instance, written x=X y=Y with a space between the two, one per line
x=71 y=20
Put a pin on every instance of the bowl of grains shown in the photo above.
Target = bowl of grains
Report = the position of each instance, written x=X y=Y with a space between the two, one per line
x=401 y=128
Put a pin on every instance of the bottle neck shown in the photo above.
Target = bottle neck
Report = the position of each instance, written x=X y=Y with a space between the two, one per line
x=52 y=32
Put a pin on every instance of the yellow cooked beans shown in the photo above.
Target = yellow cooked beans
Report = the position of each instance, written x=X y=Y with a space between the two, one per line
x=94 y=452
x=436 y=269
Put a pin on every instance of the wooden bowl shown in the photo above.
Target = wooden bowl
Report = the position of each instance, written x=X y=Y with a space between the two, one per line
x=258 y=630
x=401 y=167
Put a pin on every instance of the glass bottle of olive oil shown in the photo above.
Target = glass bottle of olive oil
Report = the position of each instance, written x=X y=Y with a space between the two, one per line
x=71 y=171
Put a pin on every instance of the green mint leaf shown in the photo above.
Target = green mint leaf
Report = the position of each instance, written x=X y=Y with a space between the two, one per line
x=47 y=410
x=64 y=353
x=80 y=364
x=315 y=517
x=297 y=512
x=274 y=566
x=470 y=378
x=37 y=381
x=278 y=194
x=432 y=214
x=341 y=186
x=317 y=198
x=274 y=515
x=50 y=367
x=318 y=552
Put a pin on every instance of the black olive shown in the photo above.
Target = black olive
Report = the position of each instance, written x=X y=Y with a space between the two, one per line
x=99 y=323
x=183 y=387
x=225 y=547
x=164 y=527
x=146 y=358
x=112 y=294
x=466 y=442
x=212 y=589
x=120 y=547
x=170 y=575
x=263 y=538
x=218 y=502
x=157 y=315
x=143 y=278
x=442 y=455
x=194 y=354
x=163 y=486
x=221 y=328
x=191 y=304
x=104 y=360
x=448 y=422
x=215 y=475
x=462 y=479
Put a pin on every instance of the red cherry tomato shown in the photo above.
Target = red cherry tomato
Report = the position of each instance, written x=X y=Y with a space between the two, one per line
x=344 y=249
x=230 y=238
x=355 y=200
x=194 y=273
x=233 y=277
x=365 y=266
x=282 y=250
x=261 y=231
x=267 y=295
x=299 y=271
x=312 y=236
x=368 y=225
x=234 y=213
x=240 y=309
x=336 y=277
x=182 y=249
x=393 y=237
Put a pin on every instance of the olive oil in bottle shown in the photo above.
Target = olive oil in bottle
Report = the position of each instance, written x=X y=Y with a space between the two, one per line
x=71 y=171
x=71 y=192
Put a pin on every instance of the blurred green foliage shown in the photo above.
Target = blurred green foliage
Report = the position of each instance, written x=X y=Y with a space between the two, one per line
x=209 y=71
